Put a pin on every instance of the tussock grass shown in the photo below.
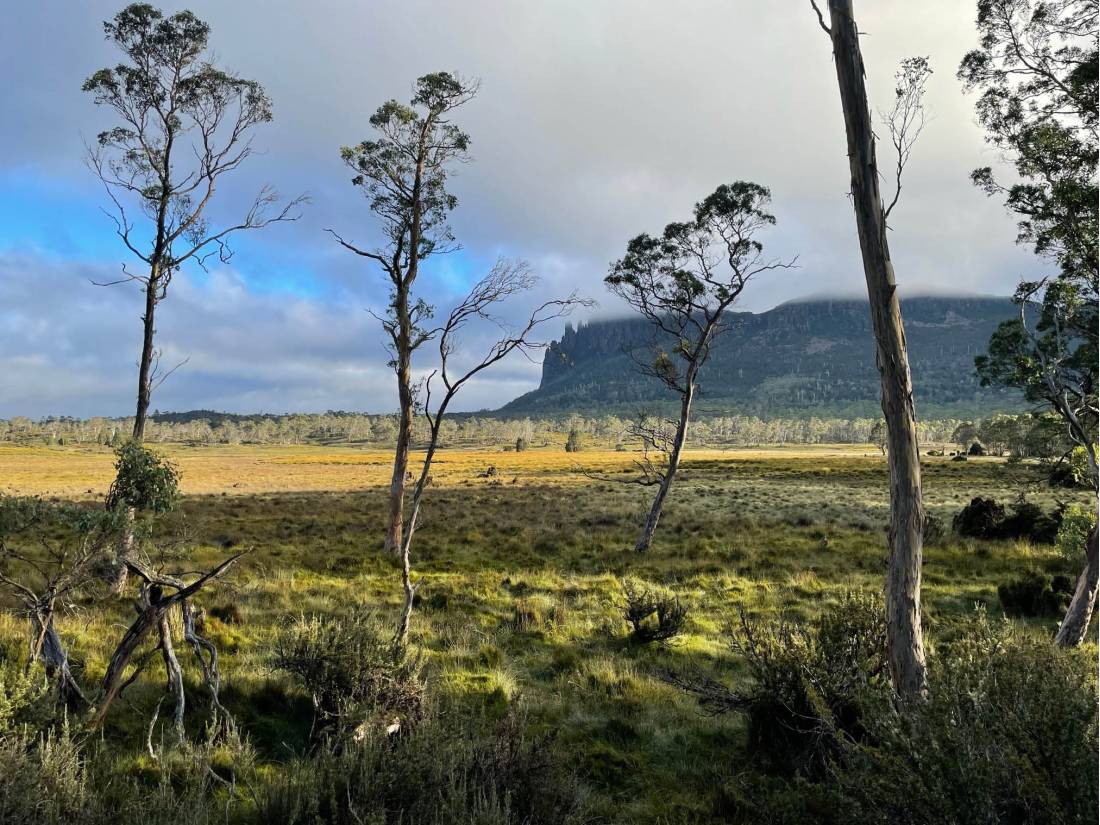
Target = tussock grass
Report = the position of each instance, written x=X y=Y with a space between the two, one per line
x=521 y=586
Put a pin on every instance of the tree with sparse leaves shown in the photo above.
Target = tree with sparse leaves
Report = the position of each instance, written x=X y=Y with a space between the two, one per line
x=183 y=124
x=505 y=281
x=683 y=282
x=403 y=173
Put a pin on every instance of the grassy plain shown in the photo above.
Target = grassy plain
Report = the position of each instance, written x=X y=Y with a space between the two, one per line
x=521 y=583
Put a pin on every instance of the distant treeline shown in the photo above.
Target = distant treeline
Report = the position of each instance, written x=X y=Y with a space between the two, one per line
x=1026 y=435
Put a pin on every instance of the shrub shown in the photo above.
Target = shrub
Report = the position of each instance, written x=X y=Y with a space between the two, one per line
x=976 y=449
x=653 y=616
x=352 y=668
x=53 y=779
x=984 y=518
x=1077 y=523
x=229 y=613
x=934 y=530
x=810 y=686
x=1006 y=734
x=144 y=480
x=449 y=770
x=1035 y=594
x=1029 y=521
x=42 y=779
x=981 y=518
x=23 y=695
x=573 y=442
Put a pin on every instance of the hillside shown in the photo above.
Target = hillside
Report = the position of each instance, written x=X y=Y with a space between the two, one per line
x=812 y=357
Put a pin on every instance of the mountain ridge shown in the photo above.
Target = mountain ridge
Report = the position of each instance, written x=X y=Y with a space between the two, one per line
x=809 y=356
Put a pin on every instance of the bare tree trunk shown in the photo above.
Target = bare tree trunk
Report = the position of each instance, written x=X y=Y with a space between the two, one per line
x=207 y=654
x=46 y=645
x=145 y=366
x=410 y=529
x=400 y=457
x=906 y=537
x=1075 y=625
x=410 y=597
x=149 y=612
x=119 y=571
x=646 y=539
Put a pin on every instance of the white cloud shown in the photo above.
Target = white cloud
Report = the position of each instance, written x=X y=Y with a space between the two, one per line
x=596 y=121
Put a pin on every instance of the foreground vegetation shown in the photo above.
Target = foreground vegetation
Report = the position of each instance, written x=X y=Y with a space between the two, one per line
x=533 y=698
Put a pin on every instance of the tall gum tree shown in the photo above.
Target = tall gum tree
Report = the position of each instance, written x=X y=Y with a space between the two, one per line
x=403 y=173
x=182 y=124
x=906 y=534
x=683 y=282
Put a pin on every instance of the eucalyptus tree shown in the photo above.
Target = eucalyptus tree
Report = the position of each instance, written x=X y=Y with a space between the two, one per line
x=182 y=124
x=1036 y=69
x=403 y=173
x=906 y=534
x=683 y=282
x=504 y=281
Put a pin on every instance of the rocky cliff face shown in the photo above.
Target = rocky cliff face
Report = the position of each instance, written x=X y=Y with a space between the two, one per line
x=812 y=356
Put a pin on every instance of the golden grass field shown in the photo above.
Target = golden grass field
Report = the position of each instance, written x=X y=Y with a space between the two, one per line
x=521 y=584
x=78 y=473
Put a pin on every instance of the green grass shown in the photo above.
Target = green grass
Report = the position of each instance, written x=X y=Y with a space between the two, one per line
x=520 y=600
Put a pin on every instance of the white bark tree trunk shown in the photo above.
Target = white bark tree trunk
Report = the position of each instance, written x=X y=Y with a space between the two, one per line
x=906 y=536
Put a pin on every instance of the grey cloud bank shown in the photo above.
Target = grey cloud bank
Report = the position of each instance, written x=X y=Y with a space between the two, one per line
x=596 y=121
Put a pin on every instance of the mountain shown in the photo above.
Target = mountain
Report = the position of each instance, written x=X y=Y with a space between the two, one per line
x=812 y=357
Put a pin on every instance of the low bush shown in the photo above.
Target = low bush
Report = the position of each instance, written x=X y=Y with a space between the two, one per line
x=654 y=616
x=1028 y=521
x=1035 y=594
x=984 y=518
x=448 y=770
x=352 y=669
x=810 y=686
x=934 y=530
x=981 y=518
x=1006 y=734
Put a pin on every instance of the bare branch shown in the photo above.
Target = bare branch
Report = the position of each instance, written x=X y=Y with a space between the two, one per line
x=906 y=120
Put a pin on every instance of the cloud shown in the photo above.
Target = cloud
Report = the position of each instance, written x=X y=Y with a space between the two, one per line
x=67 y=346
x=596 y=121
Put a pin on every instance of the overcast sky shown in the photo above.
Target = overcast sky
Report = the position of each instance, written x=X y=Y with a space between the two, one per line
x=596 y=120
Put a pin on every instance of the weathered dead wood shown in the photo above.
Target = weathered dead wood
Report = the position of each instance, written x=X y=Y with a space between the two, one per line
x=152 y=607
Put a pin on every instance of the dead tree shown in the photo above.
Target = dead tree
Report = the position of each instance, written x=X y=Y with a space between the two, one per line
x=906 y=535
x=506 y=280
x=63 y=567
x=153 y=608
x=404 y=174
x=683 y=283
